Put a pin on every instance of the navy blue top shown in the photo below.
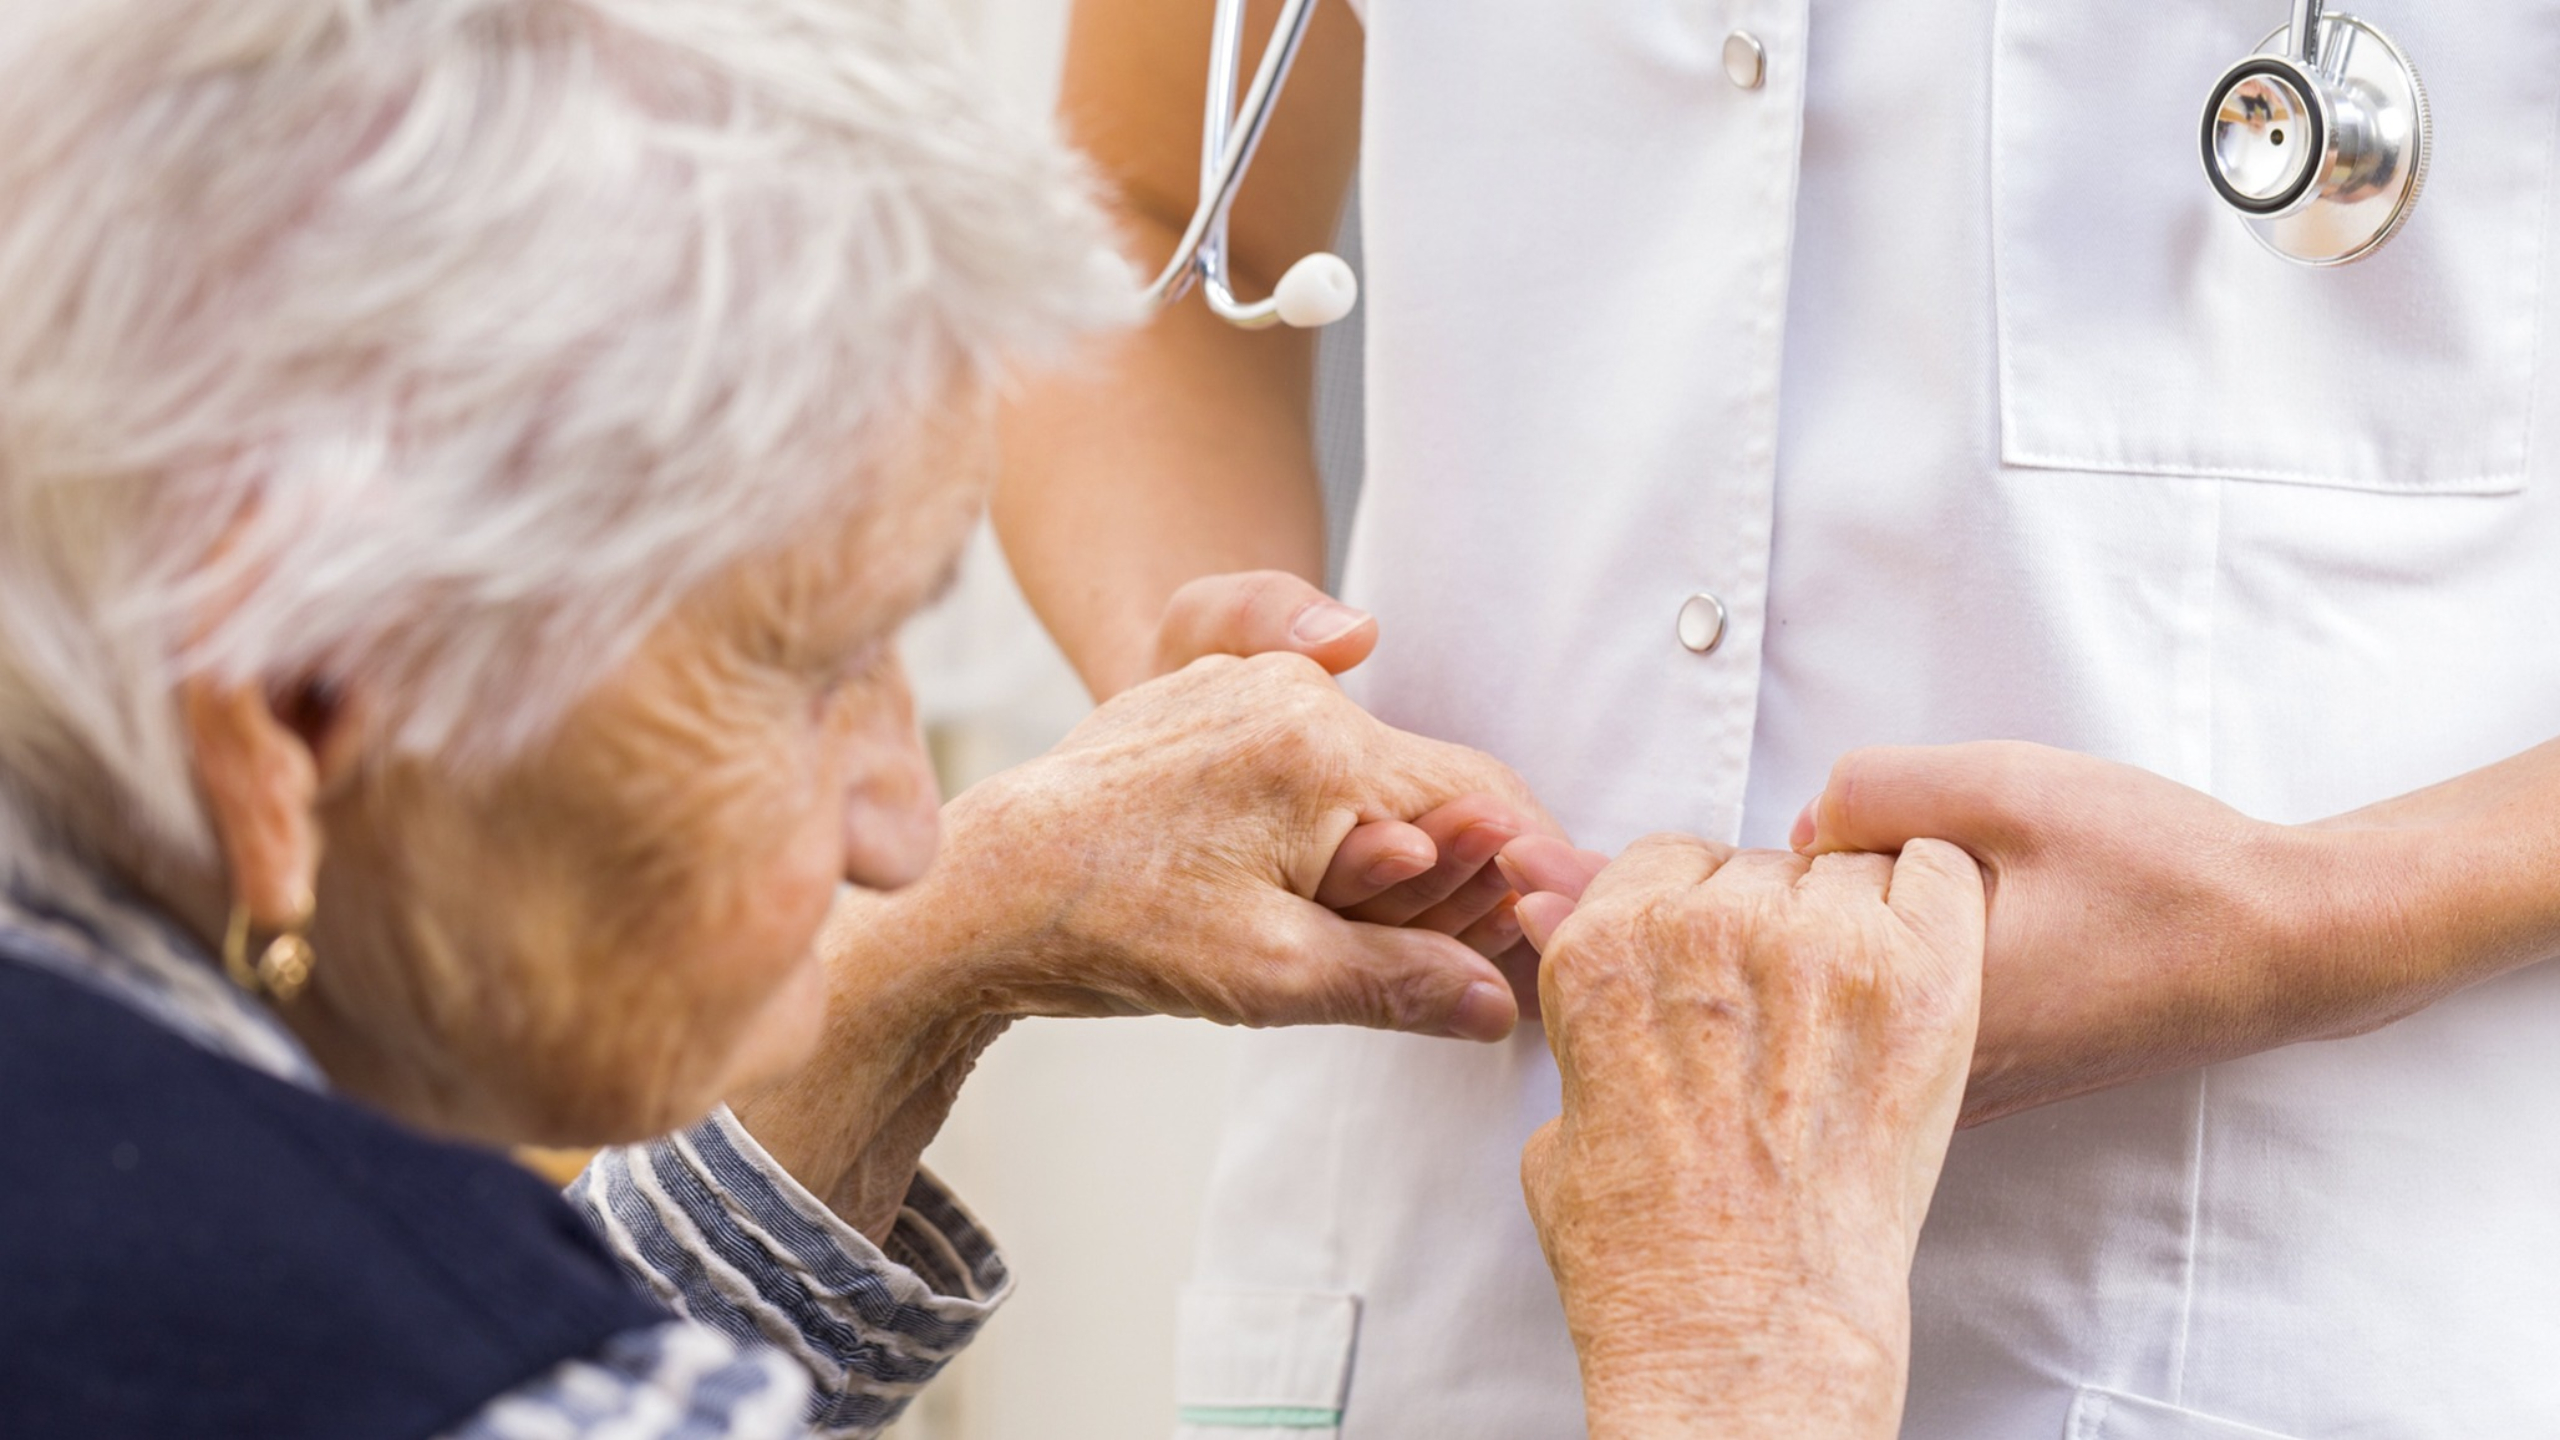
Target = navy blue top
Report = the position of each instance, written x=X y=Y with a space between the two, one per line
x=191 y=1248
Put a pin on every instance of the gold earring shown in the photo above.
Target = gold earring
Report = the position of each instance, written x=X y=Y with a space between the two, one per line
x=283 y=969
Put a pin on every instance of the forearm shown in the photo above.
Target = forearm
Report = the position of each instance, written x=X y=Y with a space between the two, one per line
x=2428 y=893
x=1184 y=451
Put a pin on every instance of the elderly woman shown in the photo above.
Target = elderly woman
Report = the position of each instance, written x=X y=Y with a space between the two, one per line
x=461 y=465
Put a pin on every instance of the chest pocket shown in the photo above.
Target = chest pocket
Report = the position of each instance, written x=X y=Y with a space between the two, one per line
x=2142 y=330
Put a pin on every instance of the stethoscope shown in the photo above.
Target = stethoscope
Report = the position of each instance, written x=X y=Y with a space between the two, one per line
x=2320 y=139
x=1317 y=290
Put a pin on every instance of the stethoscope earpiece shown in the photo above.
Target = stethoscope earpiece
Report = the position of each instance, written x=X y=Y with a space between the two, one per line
x=1319 y=289
x=2320 y=140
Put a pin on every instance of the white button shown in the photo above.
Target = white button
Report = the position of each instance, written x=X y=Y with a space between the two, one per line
x=1745 y=63
x=1702 y=623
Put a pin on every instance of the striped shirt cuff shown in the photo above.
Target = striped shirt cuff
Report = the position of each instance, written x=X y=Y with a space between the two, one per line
x=714 y=1227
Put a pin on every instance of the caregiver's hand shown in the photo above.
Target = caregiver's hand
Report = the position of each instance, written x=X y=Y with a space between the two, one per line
x=2137 y=926
x=1433 y=871
x=1762 y=1059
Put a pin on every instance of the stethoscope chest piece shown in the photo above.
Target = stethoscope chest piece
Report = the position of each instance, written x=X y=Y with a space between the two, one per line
x=2320 y=147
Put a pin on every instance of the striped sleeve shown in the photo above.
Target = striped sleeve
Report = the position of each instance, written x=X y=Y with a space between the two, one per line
x=714 y=1227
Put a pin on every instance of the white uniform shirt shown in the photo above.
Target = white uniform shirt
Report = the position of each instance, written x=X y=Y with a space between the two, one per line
x=1936 y=359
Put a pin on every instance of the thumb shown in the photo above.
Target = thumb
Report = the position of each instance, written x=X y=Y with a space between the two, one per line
x=1393 y=978
x=1258 y=612
x=1882 y=798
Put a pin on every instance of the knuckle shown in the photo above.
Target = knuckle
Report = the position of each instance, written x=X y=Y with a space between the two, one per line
x=1588 y=958
x=1415 y=999
x=1244 y=599
x=1853 y=775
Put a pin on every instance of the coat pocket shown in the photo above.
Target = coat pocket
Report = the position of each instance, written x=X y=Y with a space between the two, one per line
x=2143 y=331
x=1263 y=1364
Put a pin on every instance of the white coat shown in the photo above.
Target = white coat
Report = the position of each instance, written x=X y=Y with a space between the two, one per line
x=1936 y=359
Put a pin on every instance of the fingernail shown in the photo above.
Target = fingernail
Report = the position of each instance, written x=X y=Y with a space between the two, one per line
x=1395 y=870
x=1325 y=622
x=1511 y=875
x=1802 y=836
x=1485 y=1012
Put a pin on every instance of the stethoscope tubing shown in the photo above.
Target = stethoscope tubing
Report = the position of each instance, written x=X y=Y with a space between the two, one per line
x=1201 y=252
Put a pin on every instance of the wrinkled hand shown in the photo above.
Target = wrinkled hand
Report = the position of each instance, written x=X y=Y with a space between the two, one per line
x=2137 y=926
x=1432 y=871
x=1762 y=1059
x=1167 y=858
x=1178 y=848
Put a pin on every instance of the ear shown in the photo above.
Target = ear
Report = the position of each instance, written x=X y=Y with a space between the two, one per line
x=258 y=765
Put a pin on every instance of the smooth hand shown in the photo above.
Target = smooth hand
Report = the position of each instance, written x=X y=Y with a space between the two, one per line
x=1432 y=871
x=1762 y=1059
x=2137 y=926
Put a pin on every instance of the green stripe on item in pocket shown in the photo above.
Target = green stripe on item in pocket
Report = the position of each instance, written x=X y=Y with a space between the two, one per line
x=1261 y=1417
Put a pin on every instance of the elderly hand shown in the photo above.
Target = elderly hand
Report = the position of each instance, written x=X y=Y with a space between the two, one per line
x=1167 y=858
x=1194 y=826
x=2137 y=926
x=1762 y=1059
x=1433 y=871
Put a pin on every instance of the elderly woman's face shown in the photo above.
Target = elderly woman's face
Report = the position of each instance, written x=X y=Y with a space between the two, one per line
x=616 y=933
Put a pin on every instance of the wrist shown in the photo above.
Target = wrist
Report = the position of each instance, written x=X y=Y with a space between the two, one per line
x=910 y=1007
x=1774 y=1369
x=1000 y=896
x=2356 y=925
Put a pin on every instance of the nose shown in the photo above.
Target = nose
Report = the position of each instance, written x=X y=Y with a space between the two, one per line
x=893 y=802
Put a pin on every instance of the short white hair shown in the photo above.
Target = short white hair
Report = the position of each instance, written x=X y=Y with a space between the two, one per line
x=450 y=342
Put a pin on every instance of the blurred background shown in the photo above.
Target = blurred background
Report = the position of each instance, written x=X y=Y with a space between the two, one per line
x=1084 y=1145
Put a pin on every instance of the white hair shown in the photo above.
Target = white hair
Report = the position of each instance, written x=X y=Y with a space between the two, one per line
x=447 y=343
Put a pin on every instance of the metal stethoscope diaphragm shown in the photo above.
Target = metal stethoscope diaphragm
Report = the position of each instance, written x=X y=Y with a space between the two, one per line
x=2320 y=139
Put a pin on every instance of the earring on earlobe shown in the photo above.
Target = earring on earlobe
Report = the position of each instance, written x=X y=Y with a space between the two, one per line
x=284 y=967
